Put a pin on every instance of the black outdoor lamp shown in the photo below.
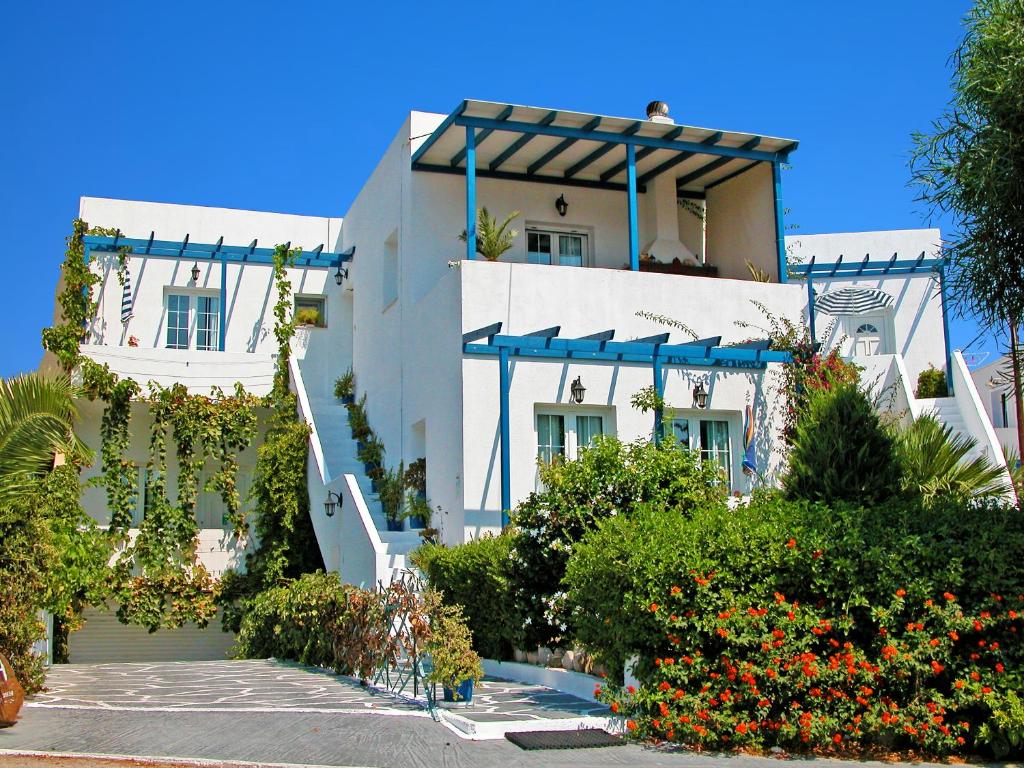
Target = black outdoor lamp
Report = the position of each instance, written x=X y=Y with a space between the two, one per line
x=195 y=271
x=333 y=501
x=561 y=205
x=340 y=275
x=578 y=390
x=700 y=395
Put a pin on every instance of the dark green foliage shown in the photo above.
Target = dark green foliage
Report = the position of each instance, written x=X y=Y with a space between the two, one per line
x=840 y=451
x=294 y=621
x=931 y=383
x=610 y=478
x=475 y=576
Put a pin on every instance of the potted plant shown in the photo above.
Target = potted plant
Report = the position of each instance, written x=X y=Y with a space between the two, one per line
x=391 y=490
x=345 y=387
x=371 y=453
x=417 y=507
x=307 y=316
x=455 y=665
x=492 y=239
x=417 y=511
x=357 y=420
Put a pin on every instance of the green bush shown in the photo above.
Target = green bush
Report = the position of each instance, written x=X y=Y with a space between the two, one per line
x=610 y=478
x=931 y=383
x=919 y=605
x=840 y=450
x=475 y=576
x=295 y=621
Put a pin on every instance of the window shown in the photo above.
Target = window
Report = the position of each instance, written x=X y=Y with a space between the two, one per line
x=550 y=437
x=869 y=335
x=568 y=249
x=207 y=323
x=587 y=428
x=177 y=321
x=1003 y=403
x=709 y=436
x=311 y=310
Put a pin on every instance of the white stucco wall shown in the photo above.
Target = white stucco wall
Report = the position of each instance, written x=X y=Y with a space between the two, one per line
x=530 y=297
x=991 y=395
x=741 y=225
x=914 y=323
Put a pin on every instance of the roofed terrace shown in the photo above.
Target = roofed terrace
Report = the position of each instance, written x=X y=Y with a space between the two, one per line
x=732 y=180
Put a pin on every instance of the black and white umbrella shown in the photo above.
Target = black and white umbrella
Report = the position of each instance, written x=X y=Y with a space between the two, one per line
x=126 y=299
x=853 y=301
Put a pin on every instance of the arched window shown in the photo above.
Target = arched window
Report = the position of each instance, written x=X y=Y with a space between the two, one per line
x=866 y=328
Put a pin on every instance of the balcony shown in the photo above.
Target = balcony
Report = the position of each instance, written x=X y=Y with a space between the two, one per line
x=197 y=370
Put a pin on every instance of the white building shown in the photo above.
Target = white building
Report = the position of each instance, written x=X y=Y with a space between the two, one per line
x=470 y=364
x=999 y=401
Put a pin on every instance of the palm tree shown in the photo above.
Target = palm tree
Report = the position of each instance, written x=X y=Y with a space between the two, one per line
x=935 y=463
x=492 y=239
x=36 y=418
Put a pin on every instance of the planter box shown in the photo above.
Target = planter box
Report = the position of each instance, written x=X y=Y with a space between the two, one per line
x=393 y=525
x=464 y=691
x=415 y=521
x=348 y=399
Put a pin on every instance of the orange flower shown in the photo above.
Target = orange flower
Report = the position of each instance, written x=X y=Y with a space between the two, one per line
x=615 y=706
x=838 y=738
x=631 y=689
x=722 y=632
x=631 y=725
x=937 y=668
x=676 y=590
x=1000 y=668
x=741 y=728
x=949 y=596
x=901 y=592
x=654 y=607
x=954 y=636
x=663 y=686
x=791 y=543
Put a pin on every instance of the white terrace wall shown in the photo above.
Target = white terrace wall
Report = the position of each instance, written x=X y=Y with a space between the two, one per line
x=916 y=320
x=741 y=225
x=529 y=297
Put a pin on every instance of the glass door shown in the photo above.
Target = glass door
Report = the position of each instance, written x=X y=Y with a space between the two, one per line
x=567 y=249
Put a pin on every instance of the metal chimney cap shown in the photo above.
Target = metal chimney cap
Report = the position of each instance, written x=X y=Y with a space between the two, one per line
x=657 y=112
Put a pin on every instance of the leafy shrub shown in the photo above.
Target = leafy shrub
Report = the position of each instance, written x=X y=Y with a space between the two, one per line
x=475 y=576
x=345 y=385
x=295 y=621
x=770 y=623
x=937 y=461
x=931 y=383
x=840 y=450
x=610 y=478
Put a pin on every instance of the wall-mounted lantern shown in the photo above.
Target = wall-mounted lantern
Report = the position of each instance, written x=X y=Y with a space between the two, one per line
x=561 y=205
x=333 y=502
x=577 y=390
x=340 y=275
x=195 y=272
x=700 y=395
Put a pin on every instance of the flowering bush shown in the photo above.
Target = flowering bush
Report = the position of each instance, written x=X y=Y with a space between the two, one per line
x=610 y=478
x=807 y=626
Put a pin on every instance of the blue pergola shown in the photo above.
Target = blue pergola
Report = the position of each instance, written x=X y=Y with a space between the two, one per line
x=654 y=351
x=185 y=249
x=597 y=151
x=868 y=267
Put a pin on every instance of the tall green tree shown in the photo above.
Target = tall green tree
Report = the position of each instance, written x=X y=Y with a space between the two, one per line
x=971 y=166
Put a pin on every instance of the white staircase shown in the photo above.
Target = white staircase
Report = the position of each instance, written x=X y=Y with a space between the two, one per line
x=946 y=411
x=354 y=541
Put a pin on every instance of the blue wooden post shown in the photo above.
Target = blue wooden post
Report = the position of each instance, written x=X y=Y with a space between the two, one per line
x=470 y=192
x=634 y=232
x=780 y=227
x=223 y=301
x=659 y=390
x=945 y=329
x=810 y=306
x=503 y=383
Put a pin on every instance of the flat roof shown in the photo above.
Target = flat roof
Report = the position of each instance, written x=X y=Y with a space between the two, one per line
x=574 y=148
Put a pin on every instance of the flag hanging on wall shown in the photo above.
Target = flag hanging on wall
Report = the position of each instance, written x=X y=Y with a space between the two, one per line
x=126 y=298
x=749 y=449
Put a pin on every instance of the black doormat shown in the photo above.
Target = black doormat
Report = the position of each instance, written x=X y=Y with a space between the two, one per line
x=579 y=739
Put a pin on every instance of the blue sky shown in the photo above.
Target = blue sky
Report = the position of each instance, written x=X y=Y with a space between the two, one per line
x=288 y=106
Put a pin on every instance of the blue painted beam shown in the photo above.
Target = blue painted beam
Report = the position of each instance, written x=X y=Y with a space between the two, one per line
x=810 y=308
x=601 y=151
x=545 y=333
x=658 y=338
x=622 y=138
x=631 y=209
x=481 y=333
x=599 y=336
x=838 y=263
x=223 y=301
x=714 y=165
x=470 y=193
x=519 y=143
x=780 y=225
x=890 y=266
x=945 y=326
x=640 y=155
x=864 y=263
x=186 y=250
x=679 y=158
x=679 y=355
x=754 y=344
x=558 y=149
x=459 y=156
x=503 y=408
x=439 y=131
x=711 y=341
x=659 y=390
x=485 y=173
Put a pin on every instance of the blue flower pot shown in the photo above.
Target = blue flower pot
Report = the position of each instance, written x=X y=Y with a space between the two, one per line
x=464 y=691
x=394 y=525
x=416 y=521
x=348 y=399
x=374 y=488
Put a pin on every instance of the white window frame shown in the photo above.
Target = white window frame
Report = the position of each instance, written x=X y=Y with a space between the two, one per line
x=316 y=301
x=193 y=296
x=880 y=320
x=569 y=415
x=554 y=232
x=732 y=420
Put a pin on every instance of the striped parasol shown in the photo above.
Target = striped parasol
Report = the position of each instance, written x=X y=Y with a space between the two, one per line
x=853 y=301
x=749 y=449
x=126 y=298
